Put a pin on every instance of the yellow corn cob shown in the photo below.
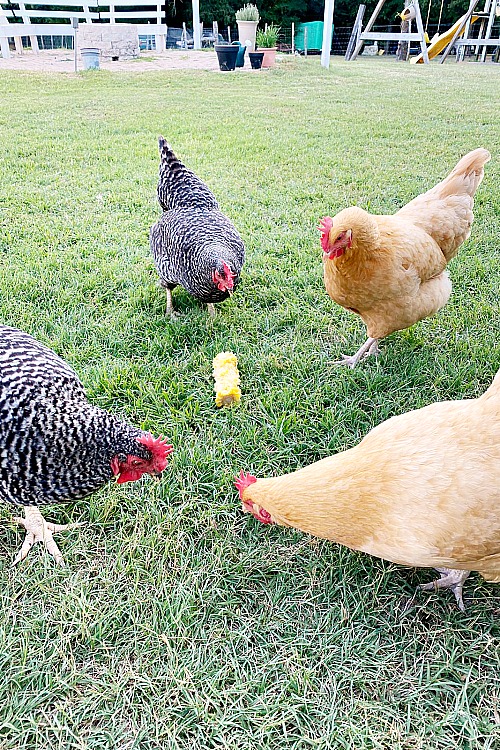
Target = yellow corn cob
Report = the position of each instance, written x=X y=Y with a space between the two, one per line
x=227 y=379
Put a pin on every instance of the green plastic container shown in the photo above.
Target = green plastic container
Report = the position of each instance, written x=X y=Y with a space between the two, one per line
x=314 y=36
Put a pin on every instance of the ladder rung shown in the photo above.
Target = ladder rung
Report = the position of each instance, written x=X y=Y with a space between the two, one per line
x=370 y=36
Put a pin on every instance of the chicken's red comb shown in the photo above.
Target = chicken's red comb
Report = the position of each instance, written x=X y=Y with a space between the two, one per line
x=243 y=481
x=228 y=272
x=159 y=448
x=325 y=226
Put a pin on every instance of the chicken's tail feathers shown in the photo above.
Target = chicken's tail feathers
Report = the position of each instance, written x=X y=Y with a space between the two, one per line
x=167 y=155
x=170 y=167
x=467 y=175
x=178 y=186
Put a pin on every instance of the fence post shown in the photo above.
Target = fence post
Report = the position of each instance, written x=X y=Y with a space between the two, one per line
x=305 y=41
x=326 y=44
x=293 y=37
x=228 y=35
x=196 y=25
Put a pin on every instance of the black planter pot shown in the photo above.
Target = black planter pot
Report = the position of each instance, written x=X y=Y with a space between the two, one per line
x=226 y=55
x=256 y=59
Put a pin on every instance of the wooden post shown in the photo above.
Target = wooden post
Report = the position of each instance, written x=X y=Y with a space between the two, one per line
x=326 y=45
x=196 y=24
x=228 y=35
x=491 y=21
x=457 y=33
x=368 y=27
x=215 y=31
x=358 y=24
x=160 y=39
x=403 y=50
x=27 y=19
x=420 y=29
x=4 y=41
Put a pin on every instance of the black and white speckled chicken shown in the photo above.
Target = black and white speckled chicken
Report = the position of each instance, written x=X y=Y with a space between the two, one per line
x=54 y=445
x=193 y=244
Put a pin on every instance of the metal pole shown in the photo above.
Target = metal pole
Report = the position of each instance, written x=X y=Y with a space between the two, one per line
x=327 y=33
x=196 y=25
x=293 y=37
x=305 y=42
x=74 y=23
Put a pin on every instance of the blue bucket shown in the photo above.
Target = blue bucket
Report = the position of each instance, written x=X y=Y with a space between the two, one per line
x=90 y=57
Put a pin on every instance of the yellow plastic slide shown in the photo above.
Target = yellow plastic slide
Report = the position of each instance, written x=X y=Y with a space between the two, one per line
x=442 y=41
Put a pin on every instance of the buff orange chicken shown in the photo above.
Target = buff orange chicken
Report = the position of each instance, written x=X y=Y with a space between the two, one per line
x=421 y=489
x=391 y=270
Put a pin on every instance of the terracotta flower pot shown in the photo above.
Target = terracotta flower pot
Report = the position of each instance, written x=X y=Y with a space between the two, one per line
x=269 y=60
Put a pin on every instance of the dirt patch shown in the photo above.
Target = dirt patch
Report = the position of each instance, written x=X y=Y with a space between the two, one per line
x=62 y=61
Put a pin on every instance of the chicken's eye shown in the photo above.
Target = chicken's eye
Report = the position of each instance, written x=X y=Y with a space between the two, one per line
x=136 y=462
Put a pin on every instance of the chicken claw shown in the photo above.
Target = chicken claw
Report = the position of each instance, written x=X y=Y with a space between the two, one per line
x=450 y=579
x=369 y=348
x=39 y=530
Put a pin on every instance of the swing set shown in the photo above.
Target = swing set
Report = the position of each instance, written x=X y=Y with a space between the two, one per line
x=457 y=35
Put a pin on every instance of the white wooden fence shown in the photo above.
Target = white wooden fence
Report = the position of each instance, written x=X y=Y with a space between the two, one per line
x=15 y=24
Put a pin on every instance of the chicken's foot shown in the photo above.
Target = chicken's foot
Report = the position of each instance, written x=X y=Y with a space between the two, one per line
x=450 y=579
x=211 y=309
x=39 y=530
x=369 y=348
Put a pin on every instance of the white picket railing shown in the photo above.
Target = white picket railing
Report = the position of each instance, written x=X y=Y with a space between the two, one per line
x=89 y=12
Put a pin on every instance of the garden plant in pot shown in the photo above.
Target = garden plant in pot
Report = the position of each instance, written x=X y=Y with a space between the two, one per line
x=266 y=42
x=247 y=19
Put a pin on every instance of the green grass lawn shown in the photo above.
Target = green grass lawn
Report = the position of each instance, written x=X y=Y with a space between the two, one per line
x=179 y=622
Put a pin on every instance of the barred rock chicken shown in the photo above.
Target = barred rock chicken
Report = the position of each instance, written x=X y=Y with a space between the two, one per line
x=54 y=445
x=422 y=489
x=390 y=270
x=193 y=244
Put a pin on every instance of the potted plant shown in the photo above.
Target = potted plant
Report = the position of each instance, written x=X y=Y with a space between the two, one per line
x=266 y=42
x=247 y=19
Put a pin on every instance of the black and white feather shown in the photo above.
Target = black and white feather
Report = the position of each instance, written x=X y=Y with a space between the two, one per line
x=193 y=244
x=54 y=445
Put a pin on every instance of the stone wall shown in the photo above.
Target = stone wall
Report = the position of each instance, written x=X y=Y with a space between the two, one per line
x=119 y=41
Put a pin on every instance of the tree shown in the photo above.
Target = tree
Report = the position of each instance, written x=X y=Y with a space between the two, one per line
x=284 y=12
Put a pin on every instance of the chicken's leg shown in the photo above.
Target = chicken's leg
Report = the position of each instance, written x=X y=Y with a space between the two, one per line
x=211 y=309
x=450 y=579
x=38 y=530
x=369 y=348
x=170 y=305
